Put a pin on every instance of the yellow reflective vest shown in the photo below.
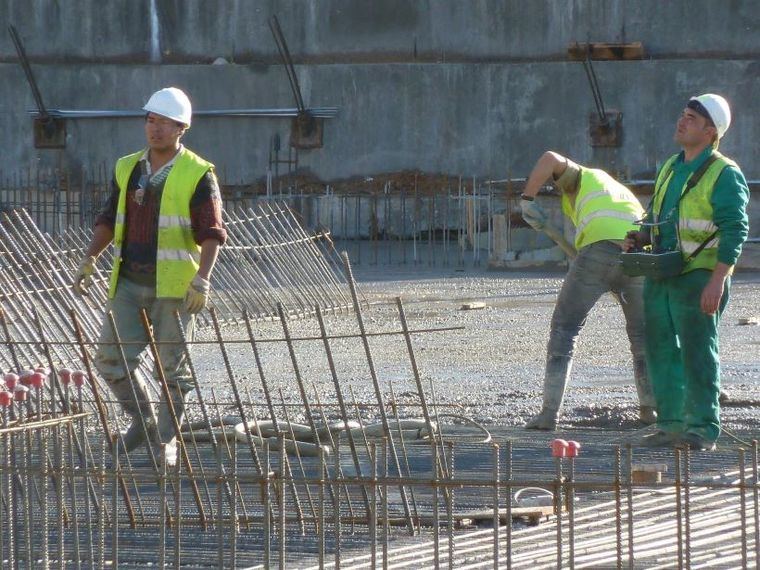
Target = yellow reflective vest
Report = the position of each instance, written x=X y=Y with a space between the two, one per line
x=604 y=209
x=178 y=256
x=695 y=212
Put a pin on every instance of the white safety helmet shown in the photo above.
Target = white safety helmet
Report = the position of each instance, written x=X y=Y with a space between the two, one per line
x=171 y=103
x=718 y=110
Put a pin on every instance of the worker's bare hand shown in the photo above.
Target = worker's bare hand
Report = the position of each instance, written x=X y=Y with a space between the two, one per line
x=712 y=294
x=635 y=241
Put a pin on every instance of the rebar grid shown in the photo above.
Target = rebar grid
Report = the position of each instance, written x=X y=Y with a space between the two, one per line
x=271 y=260
x=272 y=492
x=68 y=513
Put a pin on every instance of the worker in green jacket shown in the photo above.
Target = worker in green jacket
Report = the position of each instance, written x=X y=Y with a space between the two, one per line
x=698 y=207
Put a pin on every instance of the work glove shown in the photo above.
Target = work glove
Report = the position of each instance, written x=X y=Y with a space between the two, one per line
x=533 y=214
x=83 y=277
x=197 y=294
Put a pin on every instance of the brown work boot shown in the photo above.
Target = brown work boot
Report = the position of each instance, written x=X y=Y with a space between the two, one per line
x=647 y=415
x=546 y=420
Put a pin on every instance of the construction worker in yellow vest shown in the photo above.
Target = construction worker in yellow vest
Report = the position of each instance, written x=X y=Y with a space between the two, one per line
x=698 y=208
x=164 y=217
x=603 y=211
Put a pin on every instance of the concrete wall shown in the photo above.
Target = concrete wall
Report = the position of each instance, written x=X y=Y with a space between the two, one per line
x=475 y=88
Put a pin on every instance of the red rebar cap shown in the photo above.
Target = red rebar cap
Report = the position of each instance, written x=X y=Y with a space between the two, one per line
x=11 y=380
x=65 y=375
x=25 y=377
x=559 y=448
x=37 y=380
x=6 y=398
x=573 y=449
x=20 y=392
x=78 y=378
x=42 y=370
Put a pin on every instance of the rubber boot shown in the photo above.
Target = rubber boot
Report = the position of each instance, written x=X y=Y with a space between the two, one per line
x=555 y=381
x=135 y=401
x=545 y=420
x=647 y=415
x=643 y=384
x=166 y=436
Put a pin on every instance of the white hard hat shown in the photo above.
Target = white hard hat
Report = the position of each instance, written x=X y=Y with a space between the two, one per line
x=718 y=110
x=171 y=103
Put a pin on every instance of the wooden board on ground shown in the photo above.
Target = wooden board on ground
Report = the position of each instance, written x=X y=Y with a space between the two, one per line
x=606 y=51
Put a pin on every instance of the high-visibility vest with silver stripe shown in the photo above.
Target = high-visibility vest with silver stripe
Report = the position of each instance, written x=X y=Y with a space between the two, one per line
x=178 y=256
x=604 y=209
x=695 y=212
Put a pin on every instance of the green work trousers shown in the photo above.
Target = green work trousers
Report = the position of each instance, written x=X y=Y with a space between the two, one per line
x=682 y=353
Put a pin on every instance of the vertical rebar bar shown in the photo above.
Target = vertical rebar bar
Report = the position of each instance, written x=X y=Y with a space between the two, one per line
x=266 y=514
x=373 y=503
x=450 y=504
x=756 y=498
x=495 y=499
x=114 y=508
x=322 y=508
x=629 y=455
x=233 y=505
x=618 y=510
x=679 y=521
x=558 y=507
x=743 y=506
x=281 y=499
x=336 y=502
x=163 y=512
x=386 y=522
x=378 y=391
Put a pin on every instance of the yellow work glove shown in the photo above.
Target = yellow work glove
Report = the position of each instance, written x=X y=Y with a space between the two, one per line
x=83 y=277
x=197 y=294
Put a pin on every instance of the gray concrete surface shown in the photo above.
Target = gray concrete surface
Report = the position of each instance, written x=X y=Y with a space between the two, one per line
x=491 y=370
x=480 y=88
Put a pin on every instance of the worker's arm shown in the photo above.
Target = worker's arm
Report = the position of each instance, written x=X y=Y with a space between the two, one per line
x=209 y=253
x=102 y=235
x=729 y=201
x=550 y=166
x=209 y=233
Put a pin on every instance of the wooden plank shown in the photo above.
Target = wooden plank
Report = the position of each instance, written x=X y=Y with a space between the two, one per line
x=606 y=51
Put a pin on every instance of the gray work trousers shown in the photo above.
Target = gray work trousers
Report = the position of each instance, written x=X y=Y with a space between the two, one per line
x=593 y=273
x=129 y=299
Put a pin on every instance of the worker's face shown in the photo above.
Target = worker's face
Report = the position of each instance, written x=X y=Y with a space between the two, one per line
x=693 y=130
x=162 y=133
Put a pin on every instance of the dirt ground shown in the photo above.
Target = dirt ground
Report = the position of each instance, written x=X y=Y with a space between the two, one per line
x=491 y=370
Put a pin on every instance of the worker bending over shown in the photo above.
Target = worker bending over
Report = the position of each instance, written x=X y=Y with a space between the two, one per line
x=603 y=212
x=164 y=217
x=698 y=208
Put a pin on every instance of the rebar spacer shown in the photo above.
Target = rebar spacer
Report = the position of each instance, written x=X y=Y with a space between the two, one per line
x=65 y=376
x=573 y=448
x=37 y=380
x=20 y=393
x=6 y=398
x=78 y=378
x=559 y=448
x=11 y=380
